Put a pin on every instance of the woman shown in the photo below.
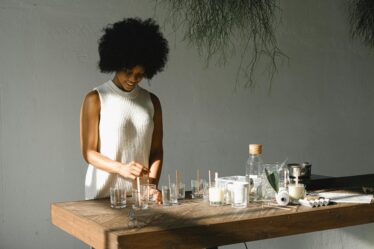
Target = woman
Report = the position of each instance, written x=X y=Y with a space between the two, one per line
x=121 y=123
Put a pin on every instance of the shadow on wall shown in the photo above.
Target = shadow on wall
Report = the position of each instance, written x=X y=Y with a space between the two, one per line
x=359 y=237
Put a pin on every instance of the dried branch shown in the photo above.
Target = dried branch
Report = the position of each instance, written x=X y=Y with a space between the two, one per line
x=223 y=28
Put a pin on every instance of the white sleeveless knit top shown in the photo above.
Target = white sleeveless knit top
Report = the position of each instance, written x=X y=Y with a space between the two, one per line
x=125 y=134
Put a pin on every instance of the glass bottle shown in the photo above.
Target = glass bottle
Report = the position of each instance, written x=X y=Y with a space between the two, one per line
x=253 y=172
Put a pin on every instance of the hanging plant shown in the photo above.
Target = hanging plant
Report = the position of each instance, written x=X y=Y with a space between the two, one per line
x=362 y=20
x=224 y=28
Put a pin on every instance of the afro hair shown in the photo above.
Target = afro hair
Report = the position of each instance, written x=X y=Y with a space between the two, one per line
x=133 y=42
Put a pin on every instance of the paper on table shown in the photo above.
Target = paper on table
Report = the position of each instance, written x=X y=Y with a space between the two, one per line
x=347 y=197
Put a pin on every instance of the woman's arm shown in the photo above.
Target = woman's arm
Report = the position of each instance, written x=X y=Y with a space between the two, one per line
x=157 y=152
x=89 y=137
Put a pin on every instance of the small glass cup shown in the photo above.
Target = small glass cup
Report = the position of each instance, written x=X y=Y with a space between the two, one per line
x=268 y=193
x=174 y=193
x=150 y=192
x=197 y=188
x=181 y=191
x=205 y=191
x=117 y=197
x=165 y=195
x=239 y=195
x=140 y=198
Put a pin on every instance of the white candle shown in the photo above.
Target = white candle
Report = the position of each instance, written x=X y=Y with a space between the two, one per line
x=216 y=196
x=296 y=191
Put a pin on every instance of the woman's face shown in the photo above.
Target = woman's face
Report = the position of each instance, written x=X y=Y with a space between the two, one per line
x=127 y=79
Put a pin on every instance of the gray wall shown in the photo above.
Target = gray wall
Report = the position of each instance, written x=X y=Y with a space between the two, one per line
x=320 y=110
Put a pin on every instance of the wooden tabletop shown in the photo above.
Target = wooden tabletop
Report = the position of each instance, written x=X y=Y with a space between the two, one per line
x=195 y=224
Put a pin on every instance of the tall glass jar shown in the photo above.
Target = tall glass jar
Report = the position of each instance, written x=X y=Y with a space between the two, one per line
x=253 y=172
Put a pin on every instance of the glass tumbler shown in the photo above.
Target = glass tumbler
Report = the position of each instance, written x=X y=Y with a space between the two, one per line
x=239 y=195
x=181 y=191
x=174 y=193
x=117 y=197
x=140 y=198
x=268 y=193
x=197 y=188
x=166 y=195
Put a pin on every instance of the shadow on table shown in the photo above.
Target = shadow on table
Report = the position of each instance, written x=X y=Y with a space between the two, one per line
x=175 y=229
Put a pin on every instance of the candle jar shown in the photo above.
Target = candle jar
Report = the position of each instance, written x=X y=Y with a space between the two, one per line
x=216 y=195
x=197 y=188
x=140 y=198
x=239 y=194
x=181 y=191
x=296 y=192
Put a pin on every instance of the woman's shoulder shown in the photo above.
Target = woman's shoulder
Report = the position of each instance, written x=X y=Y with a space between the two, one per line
x=92 y=98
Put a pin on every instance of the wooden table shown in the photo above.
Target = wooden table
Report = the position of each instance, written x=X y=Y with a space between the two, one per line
x=195 y=224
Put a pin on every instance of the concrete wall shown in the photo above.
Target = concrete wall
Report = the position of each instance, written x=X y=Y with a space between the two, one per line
x=320 y=110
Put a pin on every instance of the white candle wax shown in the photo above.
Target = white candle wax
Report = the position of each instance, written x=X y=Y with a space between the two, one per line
x=216 y=195
x=296 y=191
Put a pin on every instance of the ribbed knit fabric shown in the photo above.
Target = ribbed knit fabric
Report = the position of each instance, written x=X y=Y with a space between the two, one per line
x=125 y=134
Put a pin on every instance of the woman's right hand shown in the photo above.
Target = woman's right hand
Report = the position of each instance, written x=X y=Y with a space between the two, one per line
x=132 y=170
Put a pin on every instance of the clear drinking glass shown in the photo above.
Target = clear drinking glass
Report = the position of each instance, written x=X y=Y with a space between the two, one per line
x=150 y=192
x=165 y=195
x=174 y=192
x=239 y=195
x=181 y=191
x=140 y=198
x=197 y=188
x=268 y=193
x=206 y=191
x=117 y=197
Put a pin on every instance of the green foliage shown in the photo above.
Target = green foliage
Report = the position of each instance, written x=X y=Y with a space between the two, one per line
x=222 y=28
x=362 y=20
x=273 y=179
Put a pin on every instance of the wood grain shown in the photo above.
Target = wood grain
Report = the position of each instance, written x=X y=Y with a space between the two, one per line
x=195 y=224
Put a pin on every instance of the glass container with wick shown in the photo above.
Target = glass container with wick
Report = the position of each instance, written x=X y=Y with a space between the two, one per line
x=296 y=190
x=216 y=193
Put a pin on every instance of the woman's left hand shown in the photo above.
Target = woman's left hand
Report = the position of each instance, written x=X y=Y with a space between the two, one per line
x=157 y=196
